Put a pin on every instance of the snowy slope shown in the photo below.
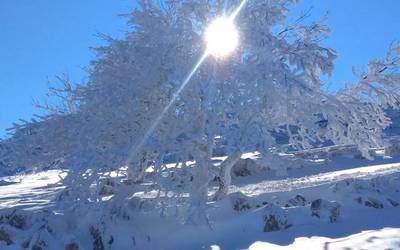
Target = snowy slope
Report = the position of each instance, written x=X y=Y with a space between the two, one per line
x=359 y=226
x=33 y=191
x=386 y=238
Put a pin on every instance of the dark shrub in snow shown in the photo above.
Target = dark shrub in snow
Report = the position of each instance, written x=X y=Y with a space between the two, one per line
x=372 y=202
x=393 y=149
x=240 y=202
x=376 y=192
x=39 y=245
x=97 y=240
x=107 y=187
x=246 y=167
x=275 y=218
x=296 y=201
x=72 y=246
x=14 y=220
x=393 y=202
x=4 y=236
x=137 y=203
x=378 y=185
x=325 y=209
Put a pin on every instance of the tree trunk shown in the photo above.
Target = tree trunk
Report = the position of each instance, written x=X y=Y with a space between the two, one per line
x=225 y=174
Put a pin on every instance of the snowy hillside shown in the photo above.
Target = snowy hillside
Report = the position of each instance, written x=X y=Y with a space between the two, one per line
x=368 y=195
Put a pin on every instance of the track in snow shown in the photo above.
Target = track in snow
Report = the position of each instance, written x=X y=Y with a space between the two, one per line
x=29 y=191
x=35 y=191
x=291 y=184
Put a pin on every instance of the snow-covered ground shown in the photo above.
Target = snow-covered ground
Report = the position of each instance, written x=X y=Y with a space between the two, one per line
x=33 y=191
x=291 y=184
x=344 y=180
x=386 y=238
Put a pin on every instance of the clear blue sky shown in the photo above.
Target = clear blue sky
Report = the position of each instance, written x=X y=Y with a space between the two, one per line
x=43 y=38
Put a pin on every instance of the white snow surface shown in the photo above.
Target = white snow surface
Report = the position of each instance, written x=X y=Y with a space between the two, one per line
x=386 y=238
x=32 y=191
x=359 y=227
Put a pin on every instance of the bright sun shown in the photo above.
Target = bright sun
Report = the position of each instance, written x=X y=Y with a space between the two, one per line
x=221 y=37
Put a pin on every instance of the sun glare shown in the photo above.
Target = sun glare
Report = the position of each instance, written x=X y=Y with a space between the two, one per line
x=221 y=37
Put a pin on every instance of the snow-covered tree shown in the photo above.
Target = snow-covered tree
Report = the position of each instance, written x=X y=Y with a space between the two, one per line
x=271 y=83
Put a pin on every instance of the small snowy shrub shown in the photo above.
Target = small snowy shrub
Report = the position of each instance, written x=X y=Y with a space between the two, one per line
x=240 y=202
x=325 y=209
x=380 y=184
x=372 y=202
x=296 y=201
x=107 y=187
x=275 y=218
x=97 y=239
x=376 y=192
x=246 y=167
x=14 y=219
x=393 y=202
x=39 y=245
x=72 y=246
x=393 y=149
x=144 y=204
x=5 y=237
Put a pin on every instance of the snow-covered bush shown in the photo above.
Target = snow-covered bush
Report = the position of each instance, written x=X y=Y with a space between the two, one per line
x=378 y=192
x=380 y=184
x=240 y=202
x=324 y=209
x=275 y=218
x=248 y=166
x=296 y=201
x=372 y=202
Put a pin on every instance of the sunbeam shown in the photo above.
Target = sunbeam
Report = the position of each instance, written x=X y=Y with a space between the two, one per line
x=238 y=9
x=159 y=118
